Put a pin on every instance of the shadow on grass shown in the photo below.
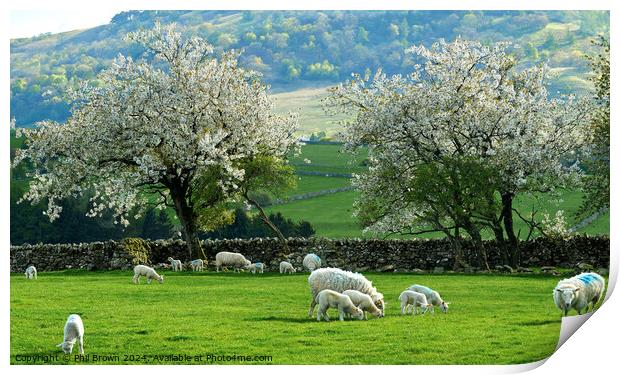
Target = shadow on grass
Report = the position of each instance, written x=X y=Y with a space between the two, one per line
x=178 y=338
x=539 y=323
x=284 y=319
x=302 y=320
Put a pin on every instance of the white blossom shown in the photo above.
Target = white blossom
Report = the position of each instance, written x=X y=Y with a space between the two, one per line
x=154 y=124
x=555 y=227
x=462 y=99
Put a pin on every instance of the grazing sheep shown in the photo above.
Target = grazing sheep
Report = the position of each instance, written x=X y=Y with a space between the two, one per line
x=312 y=262
x=225 y=258
x=579 y=292
x=363 y=302
x=197 y=265
x=141 y=270
x=339 y=280
x=286 y=267
x=258 y=266
x=31 y=272
x=74 y=331
x=176 y=264
x=415 y=300
x=329 y=298
x=433 y=297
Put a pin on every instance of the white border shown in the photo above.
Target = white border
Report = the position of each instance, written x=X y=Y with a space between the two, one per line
x=592 y=348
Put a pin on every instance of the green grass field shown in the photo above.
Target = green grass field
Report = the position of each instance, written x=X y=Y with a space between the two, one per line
x=329 y=158
x=493 y=319
x=598 y=226
x=307 y=184
x=331 y=215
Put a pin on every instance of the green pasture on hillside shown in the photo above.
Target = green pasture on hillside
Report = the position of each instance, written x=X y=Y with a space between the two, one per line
x=308 y=184
x=331 y=215
x=329 y=158
x=599 y=226
x=493 y=319
x=307 y=103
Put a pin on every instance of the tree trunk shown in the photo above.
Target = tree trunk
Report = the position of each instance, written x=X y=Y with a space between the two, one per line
x=501 y=243
x=268 y=222
x=187 y=217
x=513 y=241
x=476 y=238
x=455 y=240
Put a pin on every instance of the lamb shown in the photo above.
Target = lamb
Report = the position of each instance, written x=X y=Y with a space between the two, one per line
x=433 y=297
x=579 y=292
x=312 y=262
x=363 y=302
x=339 y=280
x=329 y=298
x=74 y=331
x=142 y=270
x=286 y=267
x=258 y=266
x=31 y=272
x=176 y=264
x=197 y=265
x=225 y=258
x=415 y=300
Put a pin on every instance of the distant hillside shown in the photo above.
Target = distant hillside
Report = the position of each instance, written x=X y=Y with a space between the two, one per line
x=298 y=49
x=307 y=103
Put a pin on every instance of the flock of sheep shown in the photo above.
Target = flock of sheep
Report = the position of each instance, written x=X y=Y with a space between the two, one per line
x=353 y=295
x=223 y=259
x=348 y=292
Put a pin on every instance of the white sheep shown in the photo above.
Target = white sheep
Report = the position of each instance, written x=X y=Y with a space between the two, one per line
x=415 y=300
x=579 y=292
x=312 y=262
x=31 y=272
x=258 y=266
x=433 y=297
x=286 y=267
x=339 y=280
x=74 y=331
x=225 y=258
x=329 y=298
x=197 y=265
x=148 y=272
x=176 y=264
x=363 y=302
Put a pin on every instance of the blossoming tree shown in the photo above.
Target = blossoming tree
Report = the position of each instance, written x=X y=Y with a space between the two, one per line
x=464 y=104
x=597 y=181
x=153 y=127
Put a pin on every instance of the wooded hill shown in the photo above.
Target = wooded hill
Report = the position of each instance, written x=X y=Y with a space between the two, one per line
x=297 y=49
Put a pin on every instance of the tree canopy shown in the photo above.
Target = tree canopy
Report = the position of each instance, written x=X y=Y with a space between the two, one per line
x=597 y=182
x=154 y=127
x=464 y=110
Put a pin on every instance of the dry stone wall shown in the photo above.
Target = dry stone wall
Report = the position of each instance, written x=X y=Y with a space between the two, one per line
x=352 y=254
